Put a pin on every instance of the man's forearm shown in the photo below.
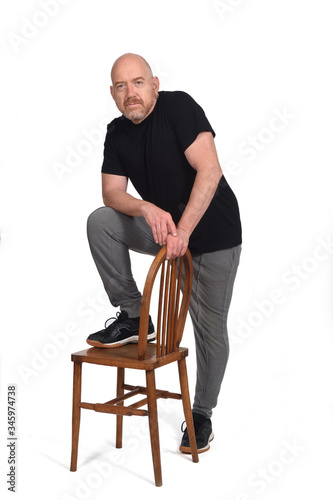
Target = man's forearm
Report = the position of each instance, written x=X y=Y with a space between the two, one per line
x=124 y=202
x=202 y=193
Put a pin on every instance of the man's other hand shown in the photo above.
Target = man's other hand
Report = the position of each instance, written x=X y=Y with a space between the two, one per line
x=177 y=245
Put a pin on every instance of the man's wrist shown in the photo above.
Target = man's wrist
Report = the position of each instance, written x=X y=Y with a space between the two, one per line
x=144 y=208
x=183 y=230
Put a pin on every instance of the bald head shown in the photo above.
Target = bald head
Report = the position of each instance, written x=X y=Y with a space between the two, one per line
x=134 y=88
x=127 y=60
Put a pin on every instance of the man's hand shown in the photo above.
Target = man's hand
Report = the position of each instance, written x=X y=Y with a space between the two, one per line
x=160 y=222
x=177 y=245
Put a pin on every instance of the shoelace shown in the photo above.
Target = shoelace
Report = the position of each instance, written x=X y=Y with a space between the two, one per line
x=184 y=428
x=110 y=321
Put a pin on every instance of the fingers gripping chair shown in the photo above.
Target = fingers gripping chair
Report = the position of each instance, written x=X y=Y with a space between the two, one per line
x=172 y=311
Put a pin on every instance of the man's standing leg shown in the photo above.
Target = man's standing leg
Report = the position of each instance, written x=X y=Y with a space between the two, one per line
x=213 y=279
x=214 y=276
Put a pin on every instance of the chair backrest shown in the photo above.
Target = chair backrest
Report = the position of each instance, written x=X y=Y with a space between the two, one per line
x=173 y=305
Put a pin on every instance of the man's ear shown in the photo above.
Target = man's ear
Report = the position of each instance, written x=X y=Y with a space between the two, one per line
x=156 y=84
x=111 y=91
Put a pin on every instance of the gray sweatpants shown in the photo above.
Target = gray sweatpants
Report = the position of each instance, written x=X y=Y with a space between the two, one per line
x=111 y=234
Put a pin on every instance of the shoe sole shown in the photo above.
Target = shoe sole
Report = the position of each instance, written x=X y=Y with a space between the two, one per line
x=130 y=340
x=187 y=449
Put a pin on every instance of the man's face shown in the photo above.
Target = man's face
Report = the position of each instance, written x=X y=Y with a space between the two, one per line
x=134 y=89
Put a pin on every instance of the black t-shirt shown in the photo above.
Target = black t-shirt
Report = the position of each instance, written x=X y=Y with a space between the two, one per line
x=151 y=155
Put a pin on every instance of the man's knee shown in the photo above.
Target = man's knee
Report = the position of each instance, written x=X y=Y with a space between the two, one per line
x=98 y=219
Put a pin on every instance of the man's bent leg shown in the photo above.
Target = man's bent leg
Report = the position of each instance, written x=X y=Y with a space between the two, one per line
x=213 y=279
x=111 y=235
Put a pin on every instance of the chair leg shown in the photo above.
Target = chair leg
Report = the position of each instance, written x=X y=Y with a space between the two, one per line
x=153 y=426
x=120 y=392
x=187 y=408
x=76 y=414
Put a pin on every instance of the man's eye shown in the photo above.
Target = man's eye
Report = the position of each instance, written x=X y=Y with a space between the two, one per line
x=139 y=82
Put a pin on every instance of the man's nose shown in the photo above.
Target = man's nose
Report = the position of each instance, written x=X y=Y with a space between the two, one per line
x=130 y=90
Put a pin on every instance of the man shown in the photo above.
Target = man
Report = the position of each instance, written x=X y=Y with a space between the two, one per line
x=164 y=144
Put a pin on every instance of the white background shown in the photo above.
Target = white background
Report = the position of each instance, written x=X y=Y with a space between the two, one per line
x=245 y=62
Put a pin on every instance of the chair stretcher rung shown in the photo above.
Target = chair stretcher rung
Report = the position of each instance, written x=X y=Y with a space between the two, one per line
x=119 y=410
x=142 y=402
x=113 y=409
x=167 y=395
x=159 y=392
x=124 y=396
x=87 y=406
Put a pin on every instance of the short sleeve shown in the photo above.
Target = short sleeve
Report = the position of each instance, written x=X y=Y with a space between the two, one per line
x=111 y=163
x=188 y=119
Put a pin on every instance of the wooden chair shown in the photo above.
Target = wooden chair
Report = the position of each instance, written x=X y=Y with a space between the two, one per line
x=172 y=311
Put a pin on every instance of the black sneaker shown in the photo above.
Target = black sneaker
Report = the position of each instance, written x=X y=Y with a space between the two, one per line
x=203 y=435
x=123 y=330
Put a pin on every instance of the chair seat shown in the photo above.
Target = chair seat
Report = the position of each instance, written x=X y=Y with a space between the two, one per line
x=127 y=356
